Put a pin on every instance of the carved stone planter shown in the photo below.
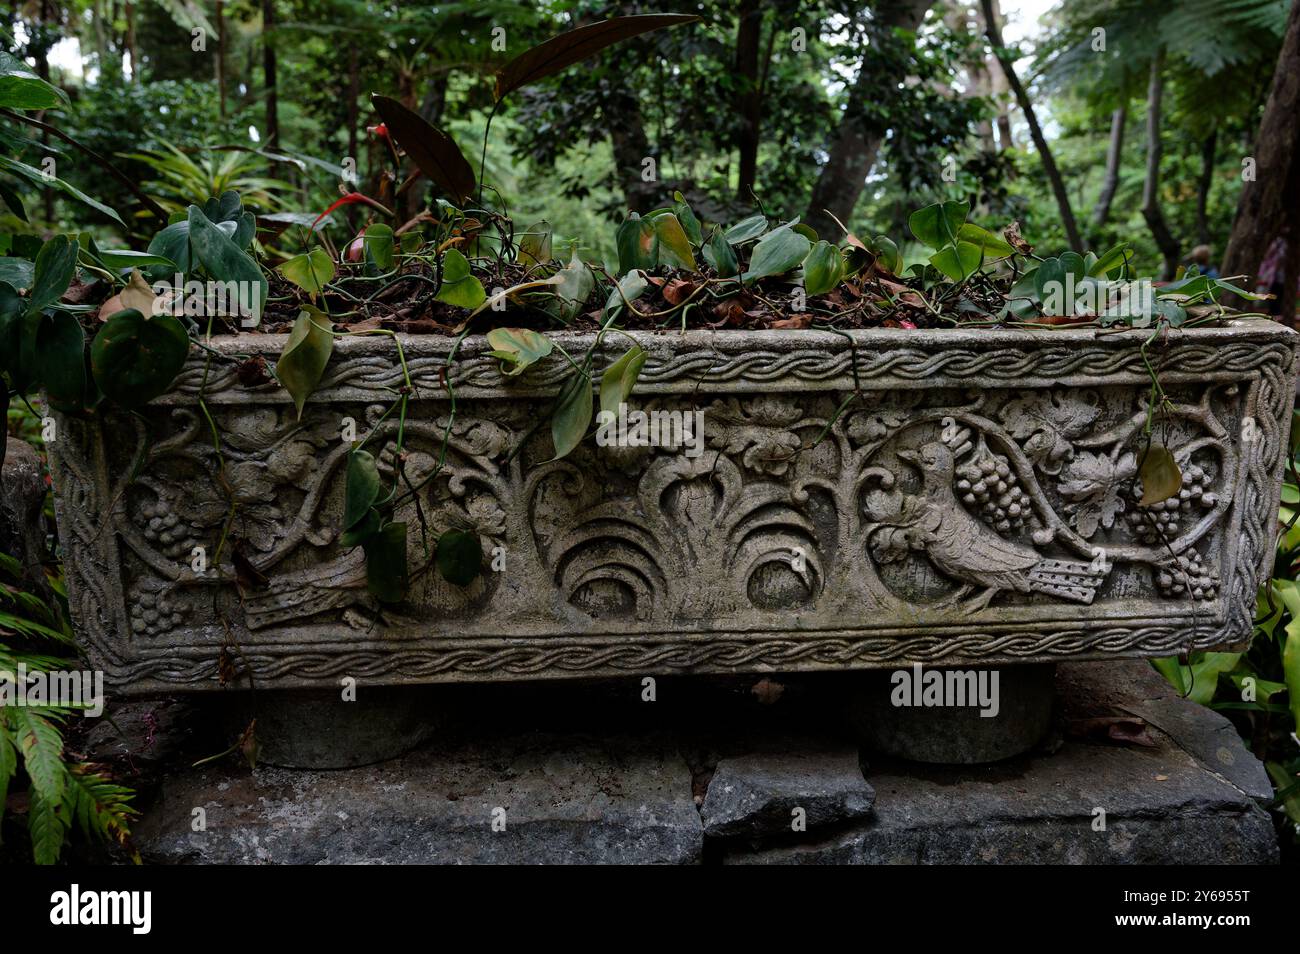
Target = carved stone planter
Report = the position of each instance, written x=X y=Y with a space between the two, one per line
x=974 y=504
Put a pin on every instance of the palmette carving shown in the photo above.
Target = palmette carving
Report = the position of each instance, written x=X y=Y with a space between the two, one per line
x=961 y=498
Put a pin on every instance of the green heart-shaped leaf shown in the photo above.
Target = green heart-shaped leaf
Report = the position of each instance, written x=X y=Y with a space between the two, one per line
x=937 y=225
x=776 y=253
x=822 y=269
x=746 y=229
x=56 y=263
x=619 y=378
x=311 y=271
x=460 y=288
x=638 y=244
x=134 y=359
x=572 y=415
x=460 y=557
x=362 y=487
x=367 y=527
x=386 y=576
x=959 y=261
x=719 y=253
x=518 y=347
x=378 y=242
x=674 y=246
x=227 y=262
x=61 y=361
x=305 y=355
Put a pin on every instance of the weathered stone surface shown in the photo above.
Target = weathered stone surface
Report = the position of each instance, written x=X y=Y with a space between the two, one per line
x=319 y=729
x=22 y=498
x=755 y=795
x=977 y=507
x=952 y=734
x=1162 y=804
x=1099 y=688
x=631 y=797
x=562 y=799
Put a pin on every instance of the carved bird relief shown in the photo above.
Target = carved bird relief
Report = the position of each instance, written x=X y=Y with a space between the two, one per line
x=962 y=547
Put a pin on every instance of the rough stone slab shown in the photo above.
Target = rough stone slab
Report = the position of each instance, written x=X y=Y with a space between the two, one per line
x=1174 y=803
x=1136 y=688
x=566 y=800
x=754 y=795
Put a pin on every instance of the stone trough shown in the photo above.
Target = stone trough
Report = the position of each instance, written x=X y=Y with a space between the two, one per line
x=861 y=500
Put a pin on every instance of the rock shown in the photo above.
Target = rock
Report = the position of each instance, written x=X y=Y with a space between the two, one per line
x=22 y=499
x=1022 y=698
x=1168 y=804
x=756 y=795
x=555 y=800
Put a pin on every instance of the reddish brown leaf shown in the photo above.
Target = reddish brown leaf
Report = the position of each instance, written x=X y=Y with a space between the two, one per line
x=436 y=153
x=678 y=290
x=564 y=50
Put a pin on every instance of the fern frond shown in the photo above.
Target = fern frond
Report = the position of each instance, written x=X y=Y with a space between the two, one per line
x=100 y=807
x=47 y=823
x=41 y=746
x=8 y=767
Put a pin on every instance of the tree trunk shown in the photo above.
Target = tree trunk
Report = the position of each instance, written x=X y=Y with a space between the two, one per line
x=1151 y=211
x=221 y=57
x=1113 y=154
x=1035 y=130
x=1267 y=207
x=101 y=43
x=855 y=142
x=354 y=91
x=998 y=84
x=750 y=103
x=1209 y=151
x=129 y=42
x=268 y=69
x=631 y=149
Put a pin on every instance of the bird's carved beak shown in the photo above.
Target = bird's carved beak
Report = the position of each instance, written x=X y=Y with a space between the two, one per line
x=909 y=456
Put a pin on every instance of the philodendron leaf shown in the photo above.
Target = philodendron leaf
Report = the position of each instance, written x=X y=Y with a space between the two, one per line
x=564 y=50
x=433 y=151
x=686 y=215
x=56 y=263
x=518 y=348
x=305 y=354
x=674 y=246
x=937 y=225
x=776 y=253
x=311 y=271
x=386 y=577
x=362 y=531
x=61 y=361
x=378 y=243
x=459 y=287
x=746 y=229
x=822 y=269
x=459 y=557
x=574 y=285
x=535 y=244
x=994 y=246
x=630 y=287
x=226 y=262
x=958 y=262
x=638 y=244
x=887 y=254
x=718 y=252
x=619 y=378
x=1160 y=476
x=572 y=415
x=134 y=359
x=362 y=488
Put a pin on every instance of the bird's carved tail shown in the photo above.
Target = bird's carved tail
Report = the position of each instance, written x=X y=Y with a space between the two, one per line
x=1066 y=579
